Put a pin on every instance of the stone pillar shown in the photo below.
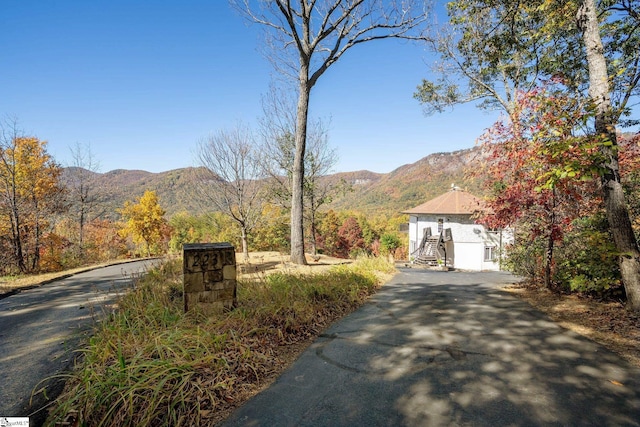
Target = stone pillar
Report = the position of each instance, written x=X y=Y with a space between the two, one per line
x=209 y=276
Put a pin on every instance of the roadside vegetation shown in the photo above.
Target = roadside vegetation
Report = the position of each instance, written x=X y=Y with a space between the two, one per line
x=558 y=169
x=149 y=363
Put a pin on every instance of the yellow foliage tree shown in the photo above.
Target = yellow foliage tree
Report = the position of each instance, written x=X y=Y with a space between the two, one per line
x=272 y=231
x=144 y=221
x=30 y=193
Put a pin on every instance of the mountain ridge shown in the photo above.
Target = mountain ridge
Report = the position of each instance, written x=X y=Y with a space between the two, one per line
x=370 y=192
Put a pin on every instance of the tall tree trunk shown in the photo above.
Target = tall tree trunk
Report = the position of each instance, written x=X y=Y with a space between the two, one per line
x=245 y=243
x=614 y=200
x=297 y=190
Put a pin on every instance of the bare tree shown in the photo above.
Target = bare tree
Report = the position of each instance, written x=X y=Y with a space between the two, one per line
x=305 y=38
x=229 y=177
x=318 y=190
x=83 y=194
x=278 y=128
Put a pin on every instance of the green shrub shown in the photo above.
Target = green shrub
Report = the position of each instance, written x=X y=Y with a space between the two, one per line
x=524 y=258
x=587 y=258
x=389 y=243
x=584 y=261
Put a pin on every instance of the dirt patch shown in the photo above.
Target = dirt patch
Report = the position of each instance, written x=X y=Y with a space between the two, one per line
x=605 y=322
x=269 y=262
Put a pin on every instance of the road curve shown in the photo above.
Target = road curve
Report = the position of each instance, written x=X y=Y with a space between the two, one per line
x=41 y=328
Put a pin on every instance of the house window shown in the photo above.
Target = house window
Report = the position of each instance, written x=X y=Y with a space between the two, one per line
x=489 y=253
x=440 y=225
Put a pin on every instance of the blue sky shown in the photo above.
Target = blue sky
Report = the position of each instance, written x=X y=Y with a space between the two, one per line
x=142 y=82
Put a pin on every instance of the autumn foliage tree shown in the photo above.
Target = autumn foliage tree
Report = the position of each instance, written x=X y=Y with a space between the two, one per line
x=104 y=241
x=144 y=221
x=340 y=235
x=327 y=234
x=272 y=231
x=540 y=167
x=350 y=234
x=209 y=227
x=503 y=46
x=630 y=175
x=30 y=194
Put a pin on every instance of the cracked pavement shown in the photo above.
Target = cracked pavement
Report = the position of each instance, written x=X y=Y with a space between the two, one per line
x=437 y=348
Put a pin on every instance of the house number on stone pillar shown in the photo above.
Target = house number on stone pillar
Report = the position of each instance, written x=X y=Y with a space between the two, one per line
x=209 y=276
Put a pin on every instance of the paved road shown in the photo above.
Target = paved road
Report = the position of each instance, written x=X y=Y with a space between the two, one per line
x=448 y=348
x=41 y=328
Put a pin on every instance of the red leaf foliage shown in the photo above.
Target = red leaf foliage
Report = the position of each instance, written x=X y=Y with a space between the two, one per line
x=539 y=165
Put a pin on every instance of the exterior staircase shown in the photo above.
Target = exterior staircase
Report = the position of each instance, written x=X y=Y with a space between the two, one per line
x=429 y=254
x=431 y=251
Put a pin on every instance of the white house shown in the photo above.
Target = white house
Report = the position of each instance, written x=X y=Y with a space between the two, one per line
x=443 y=231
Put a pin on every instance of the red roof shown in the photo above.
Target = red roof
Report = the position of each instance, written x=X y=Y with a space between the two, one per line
x=452 y=202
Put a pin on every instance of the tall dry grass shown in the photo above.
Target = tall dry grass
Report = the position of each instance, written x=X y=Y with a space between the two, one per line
x=151 y=364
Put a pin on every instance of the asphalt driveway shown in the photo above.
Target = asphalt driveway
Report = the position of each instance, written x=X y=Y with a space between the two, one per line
x=449 y=348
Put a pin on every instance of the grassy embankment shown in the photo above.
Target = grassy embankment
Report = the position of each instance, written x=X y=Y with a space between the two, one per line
x=151 y=364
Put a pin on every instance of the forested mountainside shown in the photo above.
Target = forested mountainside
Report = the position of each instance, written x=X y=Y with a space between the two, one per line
x=115 y=187
x=370 y=192
x=413 y=184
